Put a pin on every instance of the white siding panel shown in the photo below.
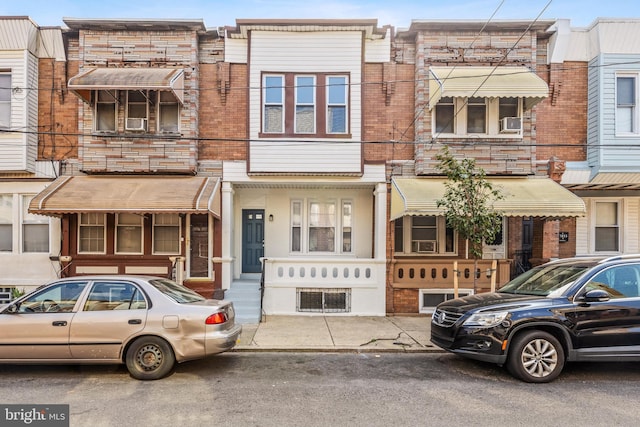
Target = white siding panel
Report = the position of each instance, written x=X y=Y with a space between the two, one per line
x=14 y=147
x=300 y=157
x=378 y=50
x=632 y=225
x=582 y=231
x=312 y=52
x=235 y=50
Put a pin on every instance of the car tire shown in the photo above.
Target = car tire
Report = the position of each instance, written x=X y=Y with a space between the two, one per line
x=536 y=357
x=150 y=358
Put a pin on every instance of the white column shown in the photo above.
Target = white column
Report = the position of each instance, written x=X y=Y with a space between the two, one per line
x=380 y=238
x=227 y=234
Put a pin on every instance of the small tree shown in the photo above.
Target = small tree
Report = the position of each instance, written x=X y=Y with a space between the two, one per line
x=468 y=203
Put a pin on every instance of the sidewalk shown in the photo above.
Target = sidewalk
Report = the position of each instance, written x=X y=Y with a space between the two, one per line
x=338 y=334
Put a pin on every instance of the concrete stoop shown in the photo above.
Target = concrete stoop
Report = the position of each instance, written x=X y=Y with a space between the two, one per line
x=245 y=294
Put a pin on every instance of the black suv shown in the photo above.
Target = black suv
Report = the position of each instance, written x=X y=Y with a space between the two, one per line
x=577 y=309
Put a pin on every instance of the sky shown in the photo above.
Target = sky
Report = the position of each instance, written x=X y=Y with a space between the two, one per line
x=399 y=13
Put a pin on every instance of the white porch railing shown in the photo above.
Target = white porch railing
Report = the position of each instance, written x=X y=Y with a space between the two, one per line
x=324 y=272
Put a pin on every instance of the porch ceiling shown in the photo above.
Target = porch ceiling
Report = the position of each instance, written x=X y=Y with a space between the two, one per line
x=524 y=196
x=132 y=194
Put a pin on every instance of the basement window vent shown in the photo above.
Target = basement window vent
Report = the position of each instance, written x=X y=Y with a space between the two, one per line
x=324 y=300
x=430 y=298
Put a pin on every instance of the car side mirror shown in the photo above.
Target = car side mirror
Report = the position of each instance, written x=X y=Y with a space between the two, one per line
x=595 y=295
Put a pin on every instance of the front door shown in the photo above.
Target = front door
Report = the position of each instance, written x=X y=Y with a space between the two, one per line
x=252 y=240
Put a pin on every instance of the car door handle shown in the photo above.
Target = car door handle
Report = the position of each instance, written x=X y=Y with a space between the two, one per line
x=59 y=323
x=135 y=321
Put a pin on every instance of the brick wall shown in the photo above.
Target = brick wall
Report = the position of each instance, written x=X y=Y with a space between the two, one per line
x=562 y=118
x=223 y=112
x=387 y=112
x=57 y=112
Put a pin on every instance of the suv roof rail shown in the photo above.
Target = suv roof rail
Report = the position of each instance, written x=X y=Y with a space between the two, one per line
x=619 y=258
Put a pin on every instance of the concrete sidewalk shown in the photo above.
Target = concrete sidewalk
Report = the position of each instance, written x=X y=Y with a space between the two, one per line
x=338 y=334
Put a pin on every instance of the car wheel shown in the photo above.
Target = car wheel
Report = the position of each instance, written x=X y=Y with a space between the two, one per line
x=536 y=357
x=150 y=358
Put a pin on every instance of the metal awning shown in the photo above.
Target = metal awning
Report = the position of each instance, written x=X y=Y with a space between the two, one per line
x=171 y=79
x=523 y=196
x=486 y=82
x=132 y=194
x=605 y=181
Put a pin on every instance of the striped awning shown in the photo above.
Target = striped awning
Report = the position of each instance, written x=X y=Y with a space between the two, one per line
x=523 y=196
x=171 y=79
x=132 y=194
x=486 y=82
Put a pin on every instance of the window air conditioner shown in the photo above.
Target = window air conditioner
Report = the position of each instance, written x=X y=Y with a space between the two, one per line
x=511 y=124
x=424 y=246
x=136 y=124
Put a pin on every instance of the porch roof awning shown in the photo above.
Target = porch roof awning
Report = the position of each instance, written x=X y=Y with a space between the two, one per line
x=132 y=194
x=171 y=79
x=539 y=197
x=486 y=82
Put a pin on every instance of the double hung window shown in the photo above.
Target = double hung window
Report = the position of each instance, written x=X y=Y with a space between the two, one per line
x=105 y=110
x=166 y=234
x=5 y=100
x=91 y=233
x=322 y=226
x=607 y=229
x=423 y=235
x=129 y=233
x=6 y=222
x=35 y=229
x=626 y=104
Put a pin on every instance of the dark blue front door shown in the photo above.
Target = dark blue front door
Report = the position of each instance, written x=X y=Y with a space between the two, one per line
x=252 y=240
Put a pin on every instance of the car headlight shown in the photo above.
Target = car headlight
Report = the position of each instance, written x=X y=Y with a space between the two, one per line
x=486 y=319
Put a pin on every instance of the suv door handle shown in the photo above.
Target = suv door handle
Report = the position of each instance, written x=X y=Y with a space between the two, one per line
x=60 y=323
x=135 y=321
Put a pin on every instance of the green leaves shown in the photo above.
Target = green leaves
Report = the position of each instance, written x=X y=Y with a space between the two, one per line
x=468 y=201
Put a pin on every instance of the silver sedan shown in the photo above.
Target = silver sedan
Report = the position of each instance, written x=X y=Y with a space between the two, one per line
x=147 y=323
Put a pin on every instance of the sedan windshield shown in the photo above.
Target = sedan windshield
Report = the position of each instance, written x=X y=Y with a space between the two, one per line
x=544 y=279
x=176 y=292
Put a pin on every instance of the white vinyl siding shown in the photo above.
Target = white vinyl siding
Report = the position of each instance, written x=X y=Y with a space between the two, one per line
x=336 y=53
x=18 y=151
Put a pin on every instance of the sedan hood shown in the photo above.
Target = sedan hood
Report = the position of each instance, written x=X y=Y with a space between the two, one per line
x=492 y=300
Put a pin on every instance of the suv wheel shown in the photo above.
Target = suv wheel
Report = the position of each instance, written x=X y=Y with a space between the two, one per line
x=536 y=357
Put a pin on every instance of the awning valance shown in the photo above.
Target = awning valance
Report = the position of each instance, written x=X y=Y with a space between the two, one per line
x=486 y=82
x=132 y=194
x=171 y=79
x=539 y=197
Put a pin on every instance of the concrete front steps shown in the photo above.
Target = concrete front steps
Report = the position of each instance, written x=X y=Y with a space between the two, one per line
x=245 y=294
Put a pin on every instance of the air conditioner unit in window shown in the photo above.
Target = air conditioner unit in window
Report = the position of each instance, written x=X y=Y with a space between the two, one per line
x=424 y=246
x=136 y=124
x=511 y=124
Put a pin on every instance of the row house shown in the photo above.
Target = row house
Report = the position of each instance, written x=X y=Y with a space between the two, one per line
x=478 y=89
x=32 y=65
x=131 y=198
x=605 y=172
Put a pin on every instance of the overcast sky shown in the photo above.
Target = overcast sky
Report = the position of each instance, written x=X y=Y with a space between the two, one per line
x=398 y=13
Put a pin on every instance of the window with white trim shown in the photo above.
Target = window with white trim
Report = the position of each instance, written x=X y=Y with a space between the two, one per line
x=168 y=113
x=305 y=104
x=273 y=104
x=322 y=226
x=91 y=233
x=5 y=99
x=166 y=234
x=129 y=233
x=430 y=298
x=105 y=110
x=607 y=226
x=6 y=222
x=474 y=116
x=35 y=229
x=424 y=235
x=137 y=114
x=626 y=104
x=337 y=101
